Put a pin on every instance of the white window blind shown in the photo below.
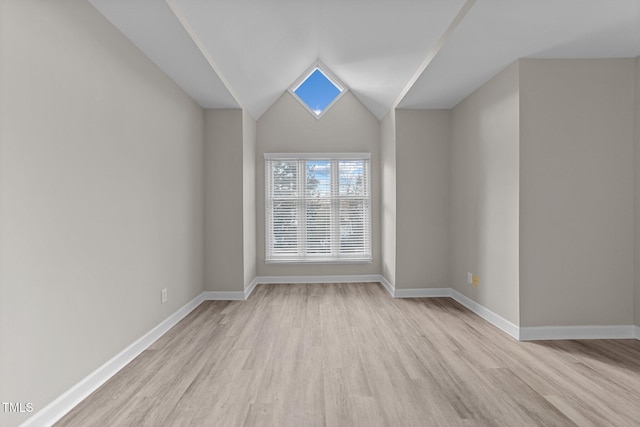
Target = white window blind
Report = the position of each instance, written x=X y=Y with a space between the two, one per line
x=317 y=207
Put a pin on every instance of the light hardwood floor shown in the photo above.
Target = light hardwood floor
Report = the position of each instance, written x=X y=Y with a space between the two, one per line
x=350 y=355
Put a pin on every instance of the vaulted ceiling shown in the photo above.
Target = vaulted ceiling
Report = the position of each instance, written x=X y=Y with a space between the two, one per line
x=389 y=53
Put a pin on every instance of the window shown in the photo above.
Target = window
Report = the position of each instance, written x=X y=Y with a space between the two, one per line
x=317 y=90
x=317 y=208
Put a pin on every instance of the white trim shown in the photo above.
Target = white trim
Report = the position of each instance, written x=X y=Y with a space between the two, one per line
x=55 y=410
x=387 y=285
x=231 y=295
x=435 y=49
x=224 y=295
x=422 y=293
x=486 y=314
x=299 y=249
x=317 y=156
x=177 y=11
x=320 y=261
x=318 y=65
x=318 y=279
x=259 y=280
x=595 y=332
x=249 y=289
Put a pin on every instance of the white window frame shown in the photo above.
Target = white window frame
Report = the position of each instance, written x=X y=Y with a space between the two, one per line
x=301 y=255
x=329 y=75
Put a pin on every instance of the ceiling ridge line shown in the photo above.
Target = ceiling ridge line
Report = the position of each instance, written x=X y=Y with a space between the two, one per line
x=434 y=50
x=177 y=12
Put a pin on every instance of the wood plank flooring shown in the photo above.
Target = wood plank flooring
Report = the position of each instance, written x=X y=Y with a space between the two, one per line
x=350 y=355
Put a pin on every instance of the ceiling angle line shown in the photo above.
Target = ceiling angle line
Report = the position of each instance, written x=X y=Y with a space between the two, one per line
x=434 y=50
x=200 y=45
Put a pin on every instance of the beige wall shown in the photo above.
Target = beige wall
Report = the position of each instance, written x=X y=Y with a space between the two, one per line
x=423 y=152
x=101 y=183
x=224 y=186
x=249 y=196
x=230 y=209
x=577 y=173
x=485 y=194
x=388 y=195
x=347 y=127
x=637 y=196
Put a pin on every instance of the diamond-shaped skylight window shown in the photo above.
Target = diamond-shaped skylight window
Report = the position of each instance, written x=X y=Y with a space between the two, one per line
x=318 y=90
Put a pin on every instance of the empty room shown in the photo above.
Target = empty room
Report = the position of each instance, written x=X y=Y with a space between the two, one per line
x=319 y=213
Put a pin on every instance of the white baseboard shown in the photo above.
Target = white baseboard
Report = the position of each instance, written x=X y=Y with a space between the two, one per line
x=522 y=334
x=67 y=401
x=478 y=309
x=55 y=410
x=224 y=295
x=487 y=314
x=318 y=279
x=422 y=293
x=387 y=285
x=596 y=332
x=231 y=295
x=250 y=288
x=241 y=296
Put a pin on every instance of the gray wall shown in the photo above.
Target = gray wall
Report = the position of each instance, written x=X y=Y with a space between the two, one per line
x=230 y=208
x=101 y=183
x=637 y=196
x=577 y=186
x=224 y=188
x=388 y=195
x=347 y=127
x=249 y=196
x=485 y=194
x=423 y=159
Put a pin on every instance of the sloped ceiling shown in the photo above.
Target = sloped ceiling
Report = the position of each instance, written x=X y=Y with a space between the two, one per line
x=152 y=26
x=390 y=53
x=495 y=33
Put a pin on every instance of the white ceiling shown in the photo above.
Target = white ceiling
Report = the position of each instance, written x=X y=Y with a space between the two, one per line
x=497 y=32
x=246 y=53
x=154 y=29
x=373 y=46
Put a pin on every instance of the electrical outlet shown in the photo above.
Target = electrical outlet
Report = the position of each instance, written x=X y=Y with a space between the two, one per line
x=475 y=280
x=469 y=277
x=163 y=296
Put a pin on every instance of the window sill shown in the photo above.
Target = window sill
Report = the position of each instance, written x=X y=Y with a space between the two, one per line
x=311 y=262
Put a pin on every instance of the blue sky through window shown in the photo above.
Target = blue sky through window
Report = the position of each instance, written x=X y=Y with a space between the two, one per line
x=317 y=92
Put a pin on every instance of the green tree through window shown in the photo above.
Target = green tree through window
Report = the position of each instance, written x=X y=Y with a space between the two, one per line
x=318 y=209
